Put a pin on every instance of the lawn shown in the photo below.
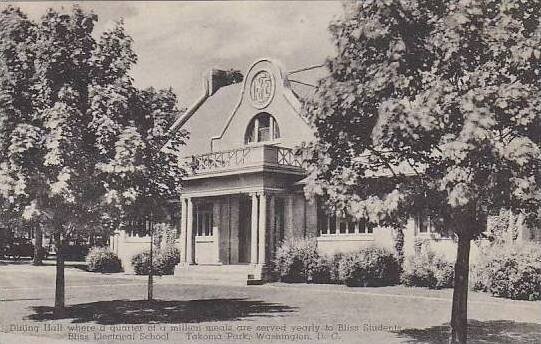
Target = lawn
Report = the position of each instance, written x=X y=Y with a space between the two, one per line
x=111 y=309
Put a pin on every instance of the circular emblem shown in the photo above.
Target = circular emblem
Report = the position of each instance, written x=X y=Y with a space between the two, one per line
x=262 y=89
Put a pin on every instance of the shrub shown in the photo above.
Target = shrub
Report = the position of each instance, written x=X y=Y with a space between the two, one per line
x=167 y=259
x=164 y=235
x=321 y=271
x=512 y=272
x=372 y=266
x=428 y=269
x=141 y=263
x=326 y=269
x=163 y=261
x=102 y=259
x=296 y=260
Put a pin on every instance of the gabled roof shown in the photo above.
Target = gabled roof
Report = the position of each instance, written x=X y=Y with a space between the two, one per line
x=212 y=117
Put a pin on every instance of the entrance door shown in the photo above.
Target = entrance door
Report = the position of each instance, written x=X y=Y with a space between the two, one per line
x=245 y=232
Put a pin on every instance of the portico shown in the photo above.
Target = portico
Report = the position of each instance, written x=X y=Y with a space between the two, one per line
x=240 y=197
x=238 y=215
x=230 y=229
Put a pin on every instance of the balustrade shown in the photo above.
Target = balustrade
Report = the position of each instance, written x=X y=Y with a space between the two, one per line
x=268 y=155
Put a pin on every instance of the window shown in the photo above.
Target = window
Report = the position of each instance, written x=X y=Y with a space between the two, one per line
x=423 y=224
x=203 y=220
x=138 y=227
x=263 y=127
x=335 y=225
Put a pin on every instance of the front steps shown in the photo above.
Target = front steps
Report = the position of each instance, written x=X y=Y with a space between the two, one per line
x=244 y=274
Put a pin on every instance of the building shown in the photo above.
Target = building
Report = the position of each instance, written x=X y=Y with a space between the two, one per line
x=244 y=190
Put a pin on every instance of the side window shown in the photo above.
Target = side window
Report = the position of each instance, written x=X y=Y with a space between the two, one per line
x=138 y=227
x=334 y=225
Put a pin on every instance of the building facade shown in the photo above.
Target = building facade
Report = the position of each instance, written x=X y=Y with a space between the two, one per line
x=243 y=194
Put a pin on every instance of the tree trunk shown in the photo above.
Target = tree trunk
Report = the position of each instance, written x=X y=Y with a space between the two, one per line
x=459 y=315
x=60 y=283
x=38 y=246
x=399 y=246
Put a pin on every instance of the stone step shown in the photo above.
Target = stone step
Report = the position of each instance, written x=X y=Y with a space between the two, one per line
x=219 y=268
x=241 y=274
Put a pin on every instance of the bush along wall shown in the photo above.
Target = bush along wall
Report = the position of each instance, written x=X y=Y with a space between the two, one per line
x=299 y=261
x=164 y=261
x=428 y=269
x=370 y=267
x=511 y=271
x=102 y=259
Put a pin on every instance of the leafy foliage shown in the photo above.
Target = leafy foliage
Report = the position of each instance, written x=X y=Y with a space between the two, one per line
x=432 y=107
x=370 y=267
x=327 y=269
x=163 y=261
x=296 y=260
x=428 y=269
x=504 y=227
x=511 y=271
x=165 y=254
x=441 y=101
x=102 y=259
x=83 y=145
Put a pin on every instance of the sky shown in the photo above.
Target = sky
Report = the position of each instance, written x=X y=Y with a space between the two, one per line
x=177 y=42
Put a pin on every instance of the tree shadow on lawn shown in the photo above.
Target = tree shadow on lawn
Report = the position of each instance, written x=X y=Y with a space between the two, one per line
x=162 y=311
x=479 y=332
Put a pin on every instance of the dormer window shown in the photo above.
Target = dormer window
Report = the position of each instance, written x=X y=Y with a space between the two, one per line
x=263 y=127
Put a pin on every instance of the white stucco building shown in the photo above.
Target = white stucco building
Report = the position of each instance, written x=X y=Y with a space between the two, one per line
x=244 y=193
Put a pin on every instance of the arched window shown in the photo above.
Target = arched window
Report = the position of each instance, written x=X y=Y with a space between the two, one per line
x=263 y=127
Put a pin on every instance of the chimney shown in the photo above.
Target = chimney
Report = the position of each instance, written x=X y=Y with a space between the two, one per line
x=220 y=78
x=217 y=79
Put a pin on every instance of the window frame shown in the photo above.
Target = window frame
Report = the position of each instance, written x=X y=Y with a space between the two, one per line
x=254 y=131
x=204 y=220
x=138 y=227
x=333 y=225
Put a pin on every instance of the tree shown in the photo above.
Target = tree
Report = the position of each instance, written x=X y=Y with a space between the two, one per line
x=432 y=107
x=17 y=36
x=74 y=164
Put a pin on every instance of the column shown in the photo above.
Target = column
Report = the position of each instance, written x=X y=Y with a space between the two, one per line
x=262 y=228
x=272 y=226
x=253 y=236
x=183 y=228
x=217 y=226
x=190 y=256
x=289 y=221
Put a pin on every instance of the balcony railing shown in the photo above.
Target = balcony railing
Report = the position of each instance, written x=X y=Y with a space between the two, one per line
x=248 y=156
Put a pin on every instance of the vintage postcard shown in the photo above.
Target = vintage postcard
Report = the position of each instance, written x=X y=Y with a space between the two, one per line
x=270 y=172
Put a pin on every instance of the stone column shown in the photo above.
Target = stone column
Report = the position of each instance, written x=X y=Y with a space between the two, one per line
x=272 y=226
x=254 y=227
x=262 y=228
x=190 y=256
x=289 y=218
x=183 y=228
x=217 y=226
